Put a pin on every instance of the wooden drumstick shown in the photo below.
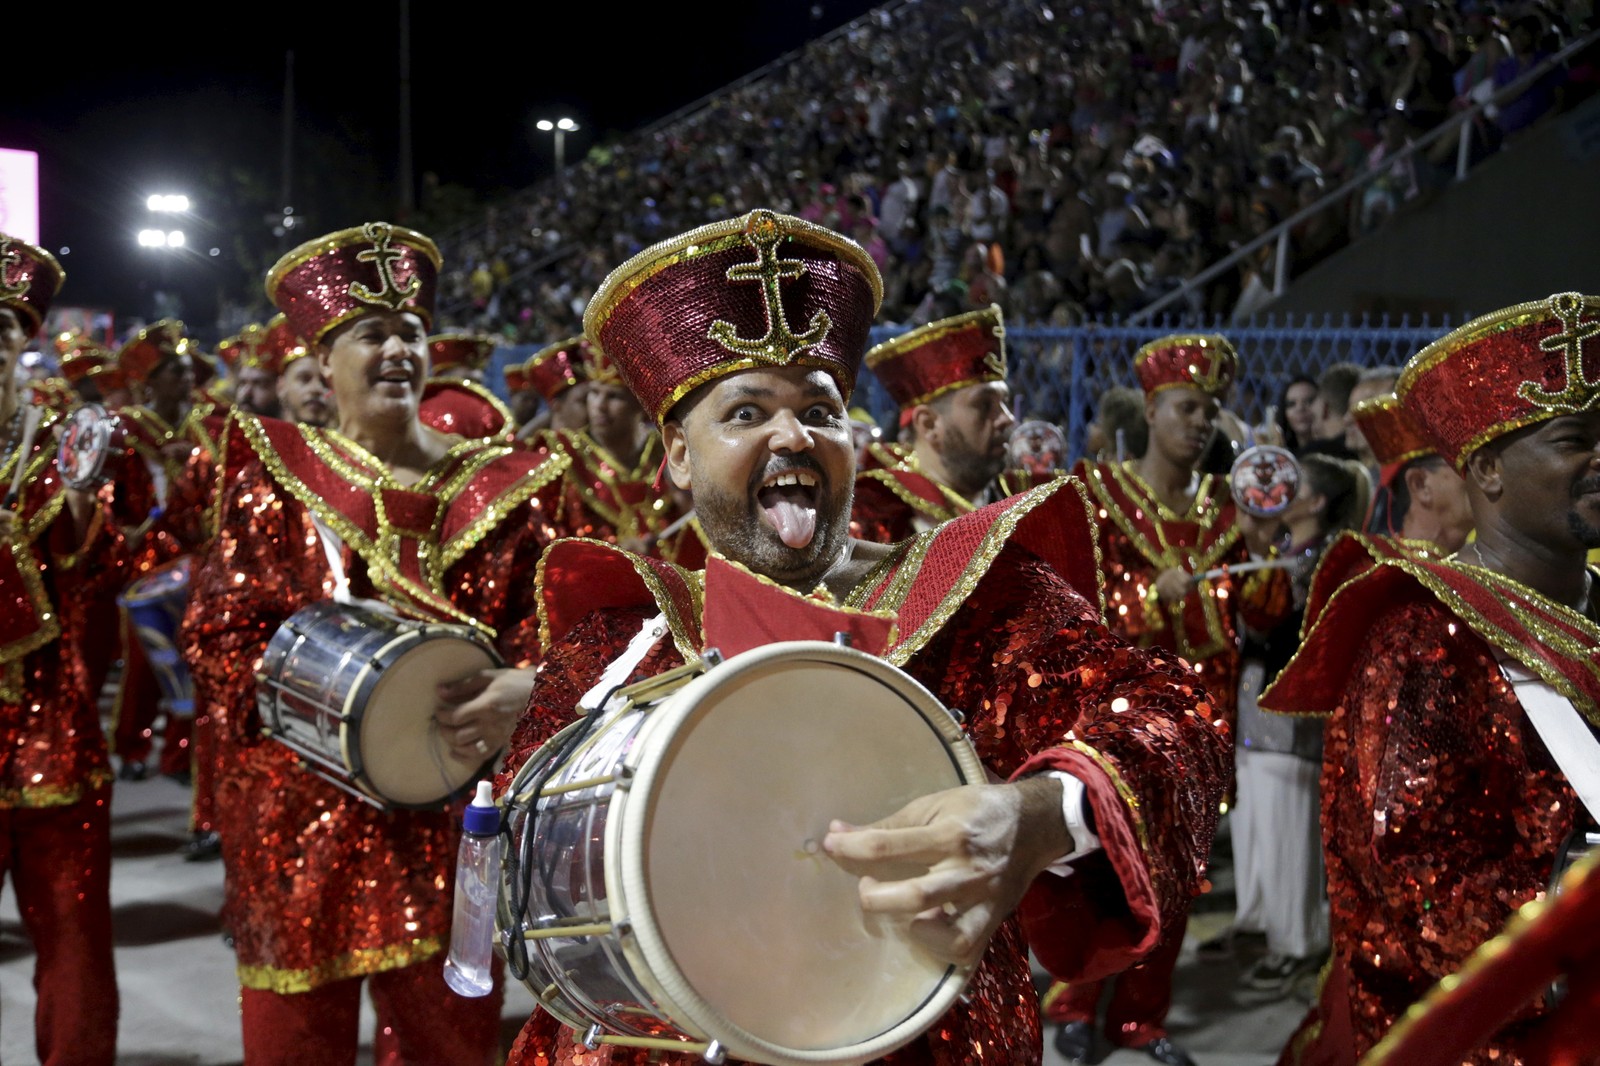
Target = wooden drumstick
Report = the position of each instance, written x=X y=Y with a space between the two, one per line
x=30 y=429
x=672 y=527
x=1245 y=568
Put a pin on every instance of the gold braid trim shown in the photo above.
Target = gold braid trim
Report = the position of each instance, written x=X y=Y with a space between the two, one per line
x=384 y=571
x=33 y=586
x=33 y=796
x=520 y=492
x=685 y=631
x=591 y=459
x=352 y=964
x=922 y=506
x=994 y=541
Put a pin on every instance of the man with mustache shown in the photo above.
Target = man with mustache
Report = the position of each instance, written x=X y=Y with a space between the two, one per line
x=325 y=890
x=743 y=339
x=1461 y=690
x=1162 y=524
x=949 y=377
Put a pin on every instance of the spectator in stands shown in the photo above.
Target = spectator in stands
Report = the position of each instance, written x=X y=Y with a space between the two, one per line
x=1119 y=430
x=1374 y=381
x=1333 y=409
x=1297 y=412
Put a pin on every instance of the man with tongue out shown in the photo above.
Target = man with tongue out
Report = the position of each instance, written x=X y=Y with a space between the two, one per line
x=742 y=339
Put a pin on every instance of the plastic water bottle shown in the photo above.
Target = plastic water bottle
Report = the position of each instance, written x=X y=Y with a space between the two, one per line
x=466 y=970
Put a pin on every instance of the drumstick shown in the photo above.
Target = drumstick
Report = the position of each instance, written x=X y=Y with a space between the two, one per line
x=30 y=428
x=1245 y=568
x=673 y=526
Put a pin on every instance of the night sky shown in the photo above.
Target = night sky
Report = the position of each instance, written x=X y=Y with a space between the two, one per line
x=184 y=98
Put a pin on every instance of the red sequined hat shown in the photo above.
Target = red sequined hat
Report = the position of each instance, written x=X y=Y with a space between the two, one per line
x=1506 y=370
x=1204 y=360
x=339 y=277
x=150 y=347
x=557 y=367
x=30 y=277
x=758 y=291
x=1390 y=432
x=282 y=341
x=942 y=356
x=251 y=348
x=449 y=350
x=516 y=378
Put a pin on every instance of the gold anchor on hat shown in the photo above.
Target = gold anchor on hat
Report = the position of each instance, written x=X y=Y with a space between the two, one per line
x=780 y=343
x=391 y=295
x=1579 y=393
x=10 y=257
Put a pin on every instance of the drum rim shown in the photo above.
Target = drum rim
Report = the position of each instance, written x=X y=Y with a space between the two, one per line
x=645 y=947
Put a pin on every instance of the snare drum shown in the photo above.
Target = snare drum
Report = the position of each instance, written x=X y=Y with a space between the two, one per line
x=666 y=885
x=87 y=440
x=351 y=689
x=1264 y=480
x=155 y=604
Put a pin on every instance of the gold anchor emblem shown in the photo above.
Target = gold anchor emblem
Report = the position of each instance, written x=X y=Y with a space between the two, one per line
x=10 y=257
x=1579 y=393
x=779 y=344
x=391 y=295
x=994 y=364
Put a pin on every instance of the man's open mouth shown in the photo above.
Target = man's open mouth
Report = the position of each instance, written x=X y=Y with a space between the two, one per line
x=401 y=373
x=788 y=499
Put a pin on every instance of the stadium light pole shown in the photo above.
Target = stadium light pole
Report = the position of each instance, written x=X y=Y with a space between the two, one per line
x=560 y=127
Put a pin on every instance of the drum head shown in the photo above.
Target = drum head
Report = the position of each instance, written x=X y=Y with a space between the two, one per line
x=404 y=758
x=750 y=928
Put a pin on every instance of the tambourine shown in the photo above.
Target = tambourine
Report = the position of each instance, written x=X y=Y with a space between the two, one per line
x=1264 y=480
x=87 y=439
x=1038 y=447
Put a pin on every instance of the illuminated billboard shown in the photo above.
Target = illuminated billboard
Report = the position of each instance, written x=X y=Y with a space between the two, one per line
x=19 y=194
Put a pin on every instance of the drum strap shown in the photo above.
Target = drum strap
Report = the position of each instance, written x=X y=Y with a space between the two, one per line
x=333 y=548
x=622 y=667
x=1567 y=737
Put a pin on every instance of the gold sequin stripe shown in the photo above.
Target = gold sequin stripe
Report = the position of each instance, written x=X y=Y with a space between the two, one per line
x=934 y=331
x=220 y=459
x=906 y=562
x=346 y=238
x=994 y=540
x=1124 y=793
x=920 y=504
x=1195 y=561
x=34 y=796
x=1484 y=956
x=603 y=466
x=685 y=631
x=381 y=569
x=356 y=963
x=499 y=509
x=33 y=587
x=11 y=682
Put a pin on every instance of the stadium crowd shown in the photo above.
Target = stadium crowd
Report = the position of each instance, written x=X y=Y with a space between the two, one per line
x=1062 y=161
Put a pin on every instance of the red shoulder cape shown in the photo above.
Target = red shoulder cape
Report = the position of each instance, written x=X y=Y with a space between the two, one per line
x=465 y=409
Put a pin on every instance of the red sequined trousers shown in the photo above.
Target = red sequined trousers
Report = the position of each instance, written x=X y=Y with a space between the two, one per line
x=1444 y=815
x=322 y=886
x=1032 y=665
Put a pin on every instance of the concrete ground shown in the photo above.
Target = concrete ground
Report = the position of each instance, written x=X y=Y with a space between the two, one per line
x=179 y=995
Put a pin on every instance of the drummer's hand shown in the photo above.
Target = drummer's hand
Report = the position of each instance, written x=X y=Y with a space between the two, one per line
x=177 y=450
x=81 y=505
x=1173 y=584
x=982 y=846
x=477 y=714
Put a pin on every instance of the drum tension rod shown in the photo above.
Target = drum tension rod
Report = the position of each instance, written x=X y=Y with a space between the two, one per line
x=843 y=639
x=713 y=1053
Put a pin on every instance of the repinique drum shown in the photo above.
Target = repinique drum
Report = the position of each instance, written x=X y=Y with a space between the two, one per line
x=351 y=689
x=155 y=604
x=666 y=887
x=87 y=439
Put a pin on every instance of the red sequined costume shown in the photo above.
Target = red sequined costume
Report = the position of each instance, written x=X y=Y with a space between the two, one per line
x=55 y=794
x=1139 y=537
x=164 y=486
x=603 y=499
x=1450 y=811
x=322 y=886
x=465 y=409
x=996 y=613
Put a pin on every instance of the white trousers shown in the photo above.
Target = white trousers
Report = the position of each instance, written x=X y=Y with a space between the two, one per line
x=1277 y=852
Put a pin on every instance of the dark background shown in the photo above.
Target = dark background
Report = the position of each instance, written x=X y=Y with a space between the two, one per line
x=133 y=100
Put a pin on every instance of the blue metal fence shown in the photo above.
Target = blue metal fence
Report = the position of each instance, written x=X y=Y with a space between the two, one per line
x=1058 y=374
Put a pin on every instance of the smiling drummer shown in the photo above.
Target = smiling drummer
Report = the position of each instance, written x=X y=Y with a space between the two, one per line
x=324 y=889
x=742 y=339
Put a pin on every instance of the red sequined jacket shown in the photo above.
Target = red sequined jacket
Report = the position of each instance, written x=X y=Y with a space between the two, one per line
x=997 y=614
x=602 y=499
x=1443 y=812
x=321 y=885
x=52 y=751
